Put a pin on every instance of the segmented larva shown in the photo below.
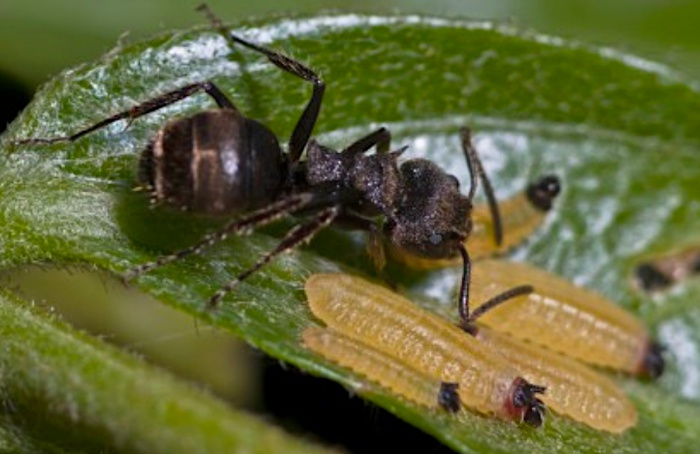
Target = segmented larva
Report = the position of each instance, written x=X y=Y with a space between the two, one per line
x=573 y=389
x=521 y=215
x=563 y=317
x=385 y=370
x=662 y=272
x=393 y=325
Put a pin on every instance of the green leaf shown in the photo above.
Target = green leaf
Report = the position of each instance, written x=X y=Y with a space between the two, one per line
x=56 y=381
x=621 y=132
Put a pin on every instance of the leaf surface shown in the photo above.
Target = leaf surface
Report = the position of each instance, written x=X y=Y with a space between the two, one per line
x=621 y=132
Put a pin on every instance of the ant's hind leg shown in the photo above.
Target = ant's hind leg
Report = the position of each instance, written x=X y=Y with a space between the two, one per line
x=244 y=225
x=295 y=237
x=305 y=125
x=144 y=108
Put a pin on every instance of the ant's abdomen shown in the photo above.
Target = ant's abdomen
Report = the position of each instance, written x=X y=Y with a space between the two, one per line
x=216 y=162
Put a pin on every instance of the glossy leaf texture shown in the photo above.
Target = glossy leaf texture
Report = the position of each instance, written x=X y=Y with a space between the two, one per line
x=621 y=132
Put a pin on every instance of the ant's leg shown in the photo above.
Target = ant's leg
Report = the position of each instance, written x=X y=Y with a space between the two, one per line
x=497 y=300
x=307 y=120
x=463 y=302
x=476 y=172
x=240 y=226
x=298 y=235
x=144 y=108
x=381 y=138
x=467 y=319
x=375 y=242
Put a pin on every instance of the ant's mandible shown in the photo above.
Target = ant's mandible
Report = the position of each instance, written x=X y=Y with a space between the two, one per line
x=220 y=162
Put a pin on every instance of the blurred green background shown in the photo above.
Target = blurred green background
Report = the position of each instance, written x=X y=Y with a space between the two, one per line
x=40 y=37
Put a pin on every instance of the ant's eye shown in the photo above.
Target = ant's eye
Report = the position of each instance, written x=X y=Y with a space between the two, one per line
x=436 y=238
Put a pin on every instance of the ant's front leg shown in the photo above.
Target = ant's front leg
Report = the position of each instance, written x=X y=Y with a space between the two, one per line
x=464 y=315
x=375 y=241
x=144 y=108
x=468 y=317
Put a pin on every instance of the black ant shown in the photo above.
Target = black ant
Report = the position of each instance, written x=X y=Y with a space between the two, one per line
x=220 y=162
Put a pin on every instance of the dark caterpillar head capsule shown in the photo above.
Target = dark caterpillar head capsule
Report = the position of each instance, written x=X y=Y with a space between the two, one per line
x=542 y=192
x=652 y=364
x=650 y=279
x=524 y=404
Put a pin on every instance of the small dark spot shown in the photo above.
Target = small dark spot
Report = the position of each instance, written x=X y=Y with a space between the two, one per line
x=448 y=397
x=543 y=192
x=650 y=279
x=653 y=363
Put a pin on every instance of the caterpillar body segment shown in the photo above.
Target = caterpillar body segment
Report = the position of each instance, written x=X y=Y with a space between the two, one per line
x=521 y=216
x=383 y=369
x=573 y=389
x=561 y=316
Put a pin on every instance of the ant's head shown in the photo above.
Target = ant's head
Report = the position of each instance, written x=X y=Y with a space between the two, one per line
x=431 y=216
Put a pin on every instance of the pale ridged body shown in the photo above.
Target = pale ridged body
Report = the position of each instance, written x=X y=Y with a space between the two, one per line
x=378 y=367
x=561 y=316
x=573 y=389
x=392 y=355
x=428 y=343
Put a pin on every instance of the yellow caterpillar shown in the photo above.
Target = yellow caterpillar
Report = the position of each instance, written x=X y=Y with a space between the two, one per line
x=424 y=342
x=566 y=318
x=383 y=369
x=411 y=352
